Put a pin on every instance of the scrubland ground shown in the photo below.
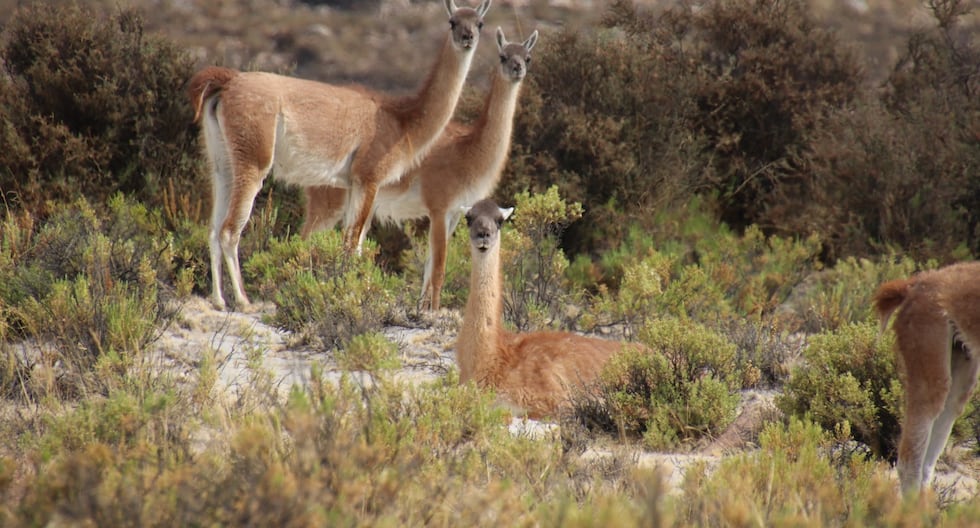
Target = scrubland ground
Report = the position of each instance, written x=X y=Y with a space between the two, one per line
x=726 y=182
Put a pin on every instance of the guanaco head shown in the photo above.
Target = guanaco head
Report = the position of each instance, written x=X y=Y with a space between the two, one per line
x=484 y=219
x=465 y=23
x=514 y=57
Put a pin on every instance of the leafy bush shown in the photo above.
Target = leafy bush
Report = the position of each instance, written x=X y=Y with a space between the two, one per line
x=321 y=292
x=534 y=265
x=717 y=101
x=688 y=265
x=683 y=388
x=849 y=381
x=92 y=106
x=842 y=294
x=95 y=285
x=795 y=469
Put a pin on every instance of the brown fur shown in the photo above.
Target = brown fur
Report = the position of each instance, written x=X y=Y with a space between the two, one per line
x=535 y=373
x=464 y=166
x=937 y=332
x=313 y=133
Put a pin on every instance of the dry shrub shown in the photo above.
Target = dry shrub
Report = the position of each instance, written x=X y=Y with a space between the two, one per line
x=91 y=105
x=653 y=109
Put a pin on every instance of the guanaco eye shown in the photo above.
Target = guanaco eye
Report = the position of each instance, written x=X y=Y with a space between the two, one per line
x=500 y=222
x=527 y=60
x=452 y=24
x=479 y=25
x=503 y=59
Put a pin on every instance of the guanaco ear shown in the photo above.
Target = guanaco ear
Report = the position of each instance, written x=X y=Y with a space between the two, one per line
x=501 y=40
x=484 y=7
x=506 y=212
x=450 y=6
x=529 y=43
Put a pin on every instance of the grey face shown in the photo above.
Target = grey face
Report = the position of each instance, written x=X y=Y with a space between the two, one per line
x=484 y=220
x=515 y=58
x=514 y=61
x=465 y=23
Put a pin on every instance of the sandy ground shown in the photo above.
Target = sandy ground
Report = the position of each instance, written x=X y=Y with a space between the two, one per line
x=239 y=340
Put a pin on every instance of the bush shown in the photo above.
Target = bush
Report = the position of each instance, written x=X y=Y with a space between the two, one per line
x=796 y=468
x=683 y=388
x=686 y=264
x=849 y=382
x=92 y=106
x=717 y=101
x=843 y=294
x=95 y=285
x=534 y=266
x=322 y=293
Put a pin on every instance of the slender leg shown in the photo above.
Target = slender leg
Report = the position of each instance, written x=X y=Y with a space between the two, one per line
x=439 y=240
x=220 y=185
x=239 y=209
x=360 y=204
x=964 y=379
x=923 y=338
x=435 y=262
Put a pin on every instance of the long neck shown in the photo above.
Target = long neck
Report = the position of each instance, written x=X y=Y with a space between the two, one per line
x=477 y=344
x=494 y=126
x=424 y=114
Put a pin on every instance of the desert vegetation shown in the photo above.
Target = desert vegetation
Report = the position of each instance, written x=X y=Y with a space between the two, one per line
x=726 y=185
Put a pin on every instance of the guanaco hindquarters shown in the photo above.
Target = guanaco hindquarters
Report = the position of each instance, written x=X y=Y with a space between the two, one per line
x=937 y=332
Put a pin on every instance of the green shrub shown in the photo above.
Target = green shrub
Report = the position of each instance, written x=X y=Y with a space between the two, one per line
x=534 y=266
x=93 y=106
x=371 y=352
x=796 y=479
x=90 y=284
x=689 y=265
x=843 y=294
x=848 y=381
x=683 y=388
x=321 y=292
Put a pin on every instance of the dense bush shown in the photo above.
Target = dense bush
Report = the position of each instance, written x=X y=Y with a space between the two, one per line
x=91 y=105
x=849 y=382
x=904 y=169
x=753 y=105
x=716 y=100
x=96 y=285
x=321 y=292
x=683 y=388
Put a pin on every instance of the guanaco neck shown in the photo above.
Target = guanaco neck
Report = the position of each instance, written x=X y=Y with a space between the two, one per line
x=424 y=114
x=478 y=343
x=492 y=130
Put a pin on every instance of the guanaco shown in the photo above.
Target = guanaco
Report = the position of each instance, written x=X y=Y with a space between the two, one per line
x=464 y=166
x=533 y=373
x=312 y=133
x=937 y=330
